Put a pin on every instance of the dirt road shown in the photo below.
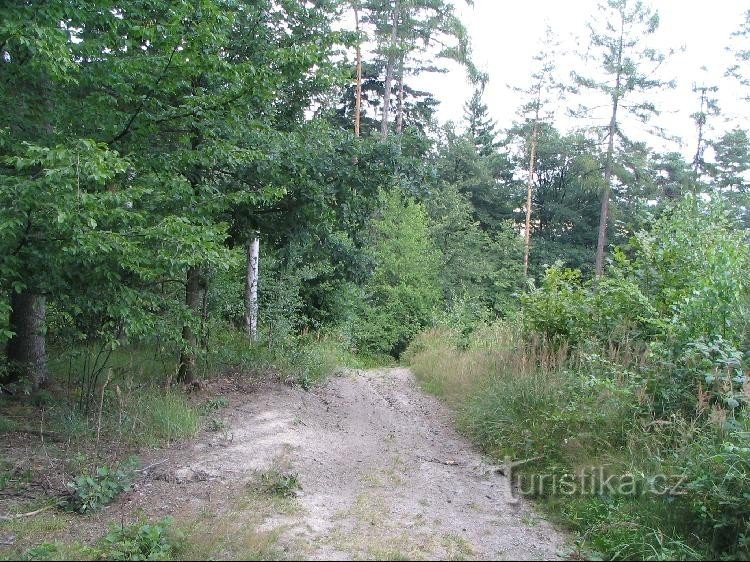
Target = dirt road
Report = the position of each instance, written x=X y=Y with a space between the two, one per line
x=383 y=474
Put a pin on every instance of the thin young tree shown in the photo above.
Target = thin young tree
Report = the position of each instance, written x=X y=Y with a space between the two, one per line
x=627 y=75
x=479 y=126
x=391 y=57
x=542 y=93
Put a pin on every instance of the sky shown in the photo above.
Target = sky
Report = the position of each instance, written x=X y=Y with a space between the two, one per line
x=505 y=36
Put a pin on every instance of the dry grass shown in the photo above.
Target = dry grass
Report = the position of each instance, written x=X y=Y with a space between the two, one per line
x=496 y=350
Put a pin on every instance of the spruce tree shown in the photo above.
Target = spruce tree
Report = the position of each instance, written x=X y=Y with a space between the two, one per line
x=479 y=126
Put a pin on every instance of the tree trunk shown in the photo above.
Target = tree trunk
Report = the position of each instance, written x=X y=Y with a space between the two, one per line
x=530 y=185
x=26 y=350
x=400 y=106
x=251 y=289
x=389 y=70
x=604 y=212
x=358 y=91
x=698 y=158
x=186 y=372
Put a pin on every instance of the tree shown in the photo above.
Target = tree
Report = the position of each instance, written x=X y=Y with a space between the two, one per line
x=565 y=194
x=488 y=181
x=479 y=125
x=358 y=91
x=136 y=171
x=404 y=287
x=479 y=268
x=403 y=27
x=51 y=180
x=617 y=44
x=539 y=94
x=708 y=108
x=731 y=170
x=741 y=51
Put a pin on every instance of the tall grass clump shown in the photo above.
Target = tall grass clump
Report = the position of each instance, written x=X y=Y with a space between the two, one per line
x=159 y=417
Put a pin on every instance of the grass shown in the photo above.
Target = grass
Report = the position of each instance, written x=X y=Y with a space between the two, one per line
x=275 y=483
x=234 y=533
x=29 y=531
x=157 y=417
x=569 y=412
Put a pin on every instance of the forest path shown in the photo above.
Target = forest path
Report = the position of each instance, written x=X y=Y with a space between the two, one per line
x=383 y=475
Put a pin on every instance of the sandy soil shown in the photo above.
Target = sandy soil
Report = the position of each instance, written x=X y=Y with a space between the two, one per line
x=383 y=474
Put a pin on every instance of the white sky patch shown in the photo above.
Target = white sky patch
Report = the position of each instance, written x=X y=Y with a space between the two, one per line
x=506 y=35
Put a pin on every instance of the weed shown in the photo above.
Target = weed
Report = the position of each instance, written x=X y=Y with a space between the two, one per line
x=92 y=492
x=141 y=541
x=213 y=404
x=278 y=484
x=7 y=425
x=216 y=424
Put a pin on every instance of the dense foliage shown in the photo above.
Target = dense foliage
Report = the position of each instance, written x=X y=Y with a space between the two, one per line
x=145 y=145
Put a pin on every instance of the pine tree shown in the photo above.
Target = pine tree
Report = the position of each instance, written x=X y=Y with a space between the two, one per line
x=626 y=70
x=479 y=126
x=540 y=96
x=404 y=32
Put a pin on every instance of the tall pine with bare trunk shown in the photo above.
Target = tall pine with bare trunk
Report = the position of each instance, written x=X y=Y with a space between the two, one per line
x=626 y=73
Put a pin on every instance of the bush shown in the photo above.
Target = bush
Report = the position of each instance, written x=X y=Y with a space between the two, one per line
x=92 y=492
x=611 y=309
x=717 y=472
x=140 y=541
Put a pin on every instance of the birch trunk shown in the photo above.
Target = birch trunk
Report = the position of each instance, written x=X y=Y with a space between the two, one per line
x=251 y=289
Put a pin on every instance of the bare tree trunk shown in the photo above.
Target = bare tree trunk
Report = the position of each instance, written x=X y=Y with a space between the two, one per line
x=251 y=288
x=186 y=373
x=530 y=186
x=400 y=106
x=389 y=69
x=358 y=91
x=26 y=350
x=604 y=212
x=698 y=158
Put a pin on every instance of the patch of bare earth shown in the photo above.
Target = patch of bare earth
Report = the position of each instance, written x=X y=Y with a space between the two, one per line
x=383 y=475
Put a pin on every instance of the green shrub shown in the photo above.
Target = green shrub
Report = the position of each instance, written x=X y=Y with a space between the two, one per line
x=213 y=404
x=92 y=492
x=140 y=541
x=216 y=424
x=43 y=551
x=404 y=287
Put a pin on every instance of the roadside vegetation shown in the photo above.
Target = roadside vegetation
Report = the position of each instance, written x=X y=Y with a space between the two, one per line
x=633 y=384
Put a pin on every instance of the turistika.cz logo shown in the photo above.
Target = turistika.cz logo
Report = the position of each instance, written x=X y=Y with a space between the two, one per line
x=593 y=480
